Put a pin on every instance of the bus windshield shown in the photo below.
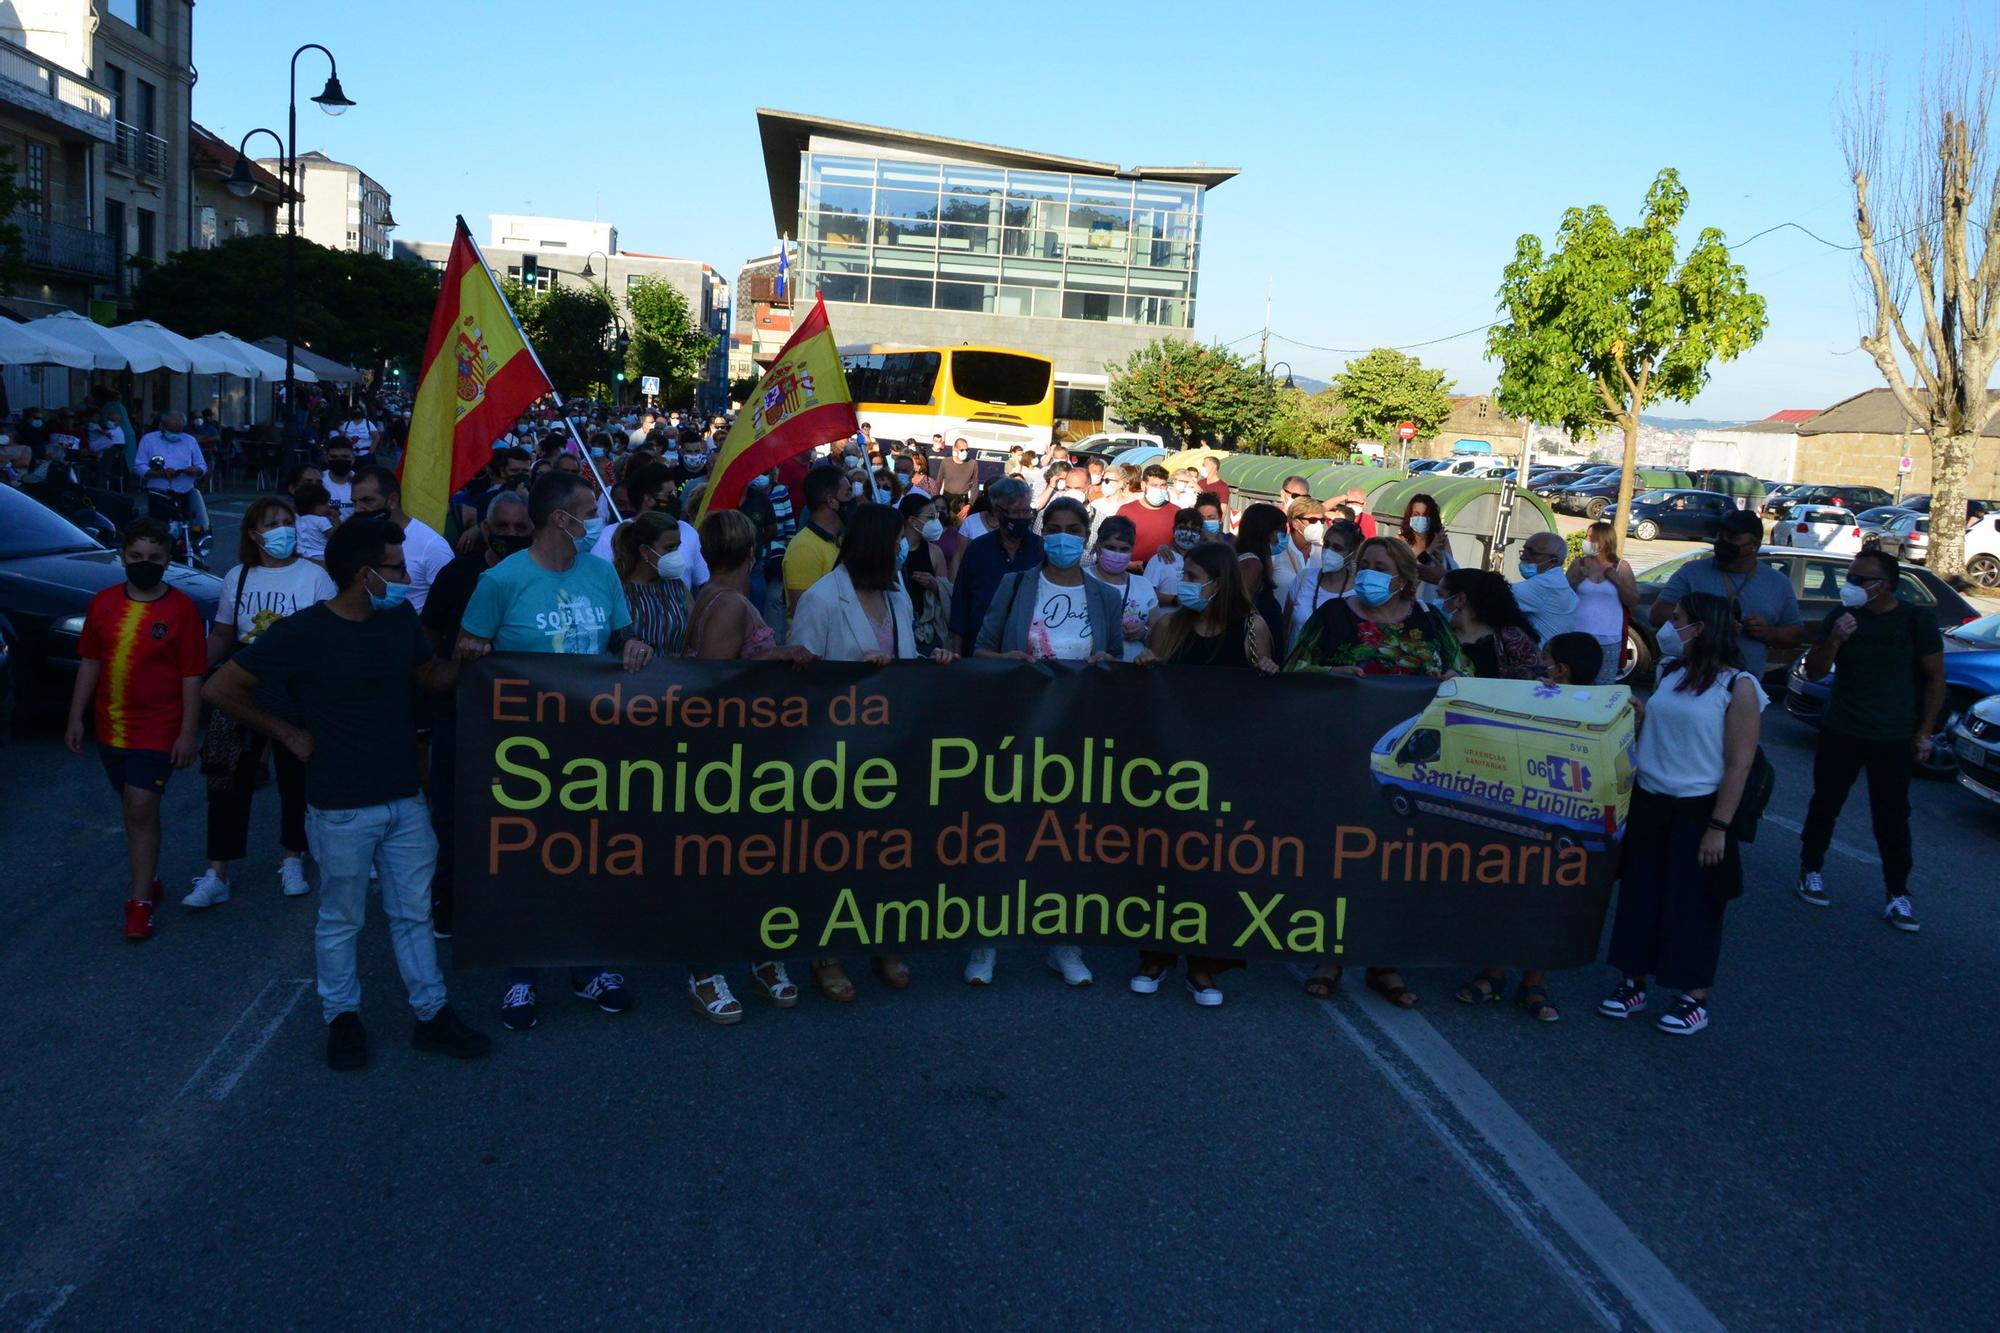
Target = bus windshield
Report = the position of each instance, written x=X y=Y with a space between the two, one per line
x=908 y=378
x=1001 y=378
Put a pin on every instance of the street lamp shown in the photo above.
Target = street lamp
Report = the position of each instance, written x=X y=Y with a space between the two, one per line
x=589 y=272
x=1272 y=374
x=333 y=100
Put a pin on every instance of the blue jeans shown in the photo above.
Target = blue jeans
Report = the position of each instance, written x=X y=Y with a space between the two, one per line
x=397 y=842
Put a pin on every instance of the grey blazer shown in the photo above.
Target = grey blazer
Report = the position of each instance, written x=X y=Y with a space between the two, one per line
x=1013 y=611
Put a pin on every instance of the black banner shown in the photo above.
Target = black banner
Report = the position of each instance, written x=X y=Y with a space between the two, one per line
x=736 y=811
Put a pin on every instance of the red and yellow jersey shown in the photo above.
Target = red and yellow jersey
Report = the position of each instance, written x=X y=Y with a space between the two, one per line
x=146 y=650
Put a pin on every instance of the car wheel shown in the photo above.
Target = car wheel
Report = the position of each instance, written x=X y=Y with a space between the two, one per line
x=1595 y=509
x=1400 y=803
x=1984 y=570
x=1641 y=654
x=1647 y=530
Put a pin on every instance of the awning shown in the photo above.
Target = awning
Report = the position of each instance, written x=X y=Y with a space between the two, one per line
x=108 y=349
x=324 y=368
x=268 y=367
x=19 y=346
x=202 y=359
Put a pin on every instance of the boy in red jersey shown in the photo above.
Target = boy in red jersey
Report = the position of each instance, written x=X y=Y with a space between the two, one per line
x=144 y=653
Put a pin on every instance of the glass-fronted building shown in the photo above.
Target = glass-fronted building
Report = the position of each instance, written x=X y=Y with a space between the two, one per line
x=914 y=239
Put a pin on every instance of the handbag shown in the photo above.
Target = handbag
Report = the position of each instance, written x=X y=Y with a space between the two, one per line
x=1757 y=788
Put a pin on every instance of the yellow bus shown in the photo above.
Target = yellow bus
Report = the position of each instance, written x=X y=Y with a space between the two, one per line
x=995 y=397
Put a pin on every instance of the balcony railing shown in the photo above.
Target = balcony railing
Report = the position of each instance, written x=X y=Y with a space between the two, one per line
x=140 y=153
x=53 y=247
x=76 y=100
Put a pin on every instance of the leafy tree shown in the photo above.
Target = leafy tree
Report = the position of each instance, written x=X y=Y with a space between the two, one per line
x=1384 y=388
x=1611 y=322
x=1308 y=425
x=665 y=341
x=740 y=390
x=1942 y=185
x=361 y=309
x=1183 y=389
x=571 y=328
x=13 y=246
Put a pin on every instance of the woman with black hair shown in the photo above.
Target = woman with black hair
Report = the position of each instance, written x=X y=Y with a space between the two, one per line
x=1423 y=532
x=1498 y=640
x=1261 y=533
x=1681 y=865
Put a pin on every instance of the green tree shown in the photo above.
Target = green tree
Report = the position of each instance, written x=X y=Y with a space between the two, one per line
x=13 y=246
x=571 y=329
x=1612 y=320
x=665 y=341
x=1382 y=389
x=1189 y=391
x=1308 y=425
x=361 y=309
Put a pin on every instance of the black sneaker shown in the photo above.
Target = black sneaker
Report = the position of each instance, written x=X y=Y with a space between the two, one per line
x=1812 y=888
x=346 y=1042
x=607 y=991
x=517 y=1007
x=1627 y=1000
x=1687 y=1017
x=1900 y=914
x=444 y=1033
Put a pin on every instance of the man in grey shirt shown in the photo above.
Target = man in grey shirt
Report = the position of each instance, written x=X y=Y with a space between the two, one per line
x=1767 y=612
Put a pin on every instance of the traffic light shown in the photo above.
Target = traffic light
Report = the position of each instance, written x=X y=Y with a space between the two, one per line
x=621 y=377
x=395 y=372
x=530 y=271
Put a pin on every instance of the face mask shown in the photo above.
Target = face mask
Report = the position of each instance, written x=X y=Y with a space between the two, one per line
x=279 y=543
x=1194 y=596
x=339 y=468
x=1420 y=523
x=392 y=595
x=1374 y=586
x=170 y=436
x=673 y=565
x=1853 y=595
x=1669 y=638
x=1529 y=568
x=1725 y=550
x=1211 y=525
x=145 y=574
x=961 y=454
x=1186 y=539
x=760 y=482
x=1064 y=549
x=1315 y=533
x=1332 y=561
x=504 y=544
x=1184 y=496
x=1283 y=542
x=694 y=462
x=1061 y=483
x=933 y=530
x=1114 y=562
x=593 y=528
x=1017 y=528
x=902 y=551
x=597 y=451
x=1156 y=495
x=851 y=492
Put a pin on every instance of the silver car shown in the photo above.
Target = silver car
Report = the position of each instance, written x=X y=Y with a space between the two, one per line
x=1976 y=741
x=1907 y=538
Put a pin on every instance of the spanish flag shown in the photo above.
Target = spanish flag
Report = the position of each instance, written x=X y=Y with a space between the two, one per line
x=479 y=375
x=801 y=401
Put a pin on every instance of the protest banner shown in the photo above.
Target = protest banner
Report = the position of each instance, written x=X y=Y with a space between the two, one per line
x=721 y=810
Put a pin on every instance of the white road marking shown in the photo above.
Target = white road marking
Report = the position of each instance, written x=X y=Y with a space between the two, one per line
x=1847 y=849
x=46 y=1302
x=246 y=1039
x=1526 y=1178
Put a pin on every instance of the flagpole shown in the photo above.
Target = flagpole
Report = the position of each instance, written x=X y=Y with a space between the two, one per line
x=554 y=393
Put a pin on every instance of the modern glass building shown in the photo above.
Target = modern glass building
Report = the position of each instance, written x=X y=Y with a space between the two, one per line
x=914 y=240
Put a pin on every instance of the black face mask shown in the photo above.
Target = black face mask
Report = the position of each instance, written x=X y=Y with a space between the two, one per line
x=339 y=467
x=1017 y=528
x=504 y=544
x=145 y=575
x=1725 y=550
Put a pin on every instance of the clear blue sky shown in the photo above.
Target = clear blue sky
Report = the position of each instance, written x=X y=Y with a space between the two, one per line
x=1391 y=154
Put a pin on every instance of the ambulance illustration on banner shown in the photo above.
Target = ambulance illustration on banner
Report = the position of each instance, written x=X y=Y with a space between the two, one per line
x=1540 y=761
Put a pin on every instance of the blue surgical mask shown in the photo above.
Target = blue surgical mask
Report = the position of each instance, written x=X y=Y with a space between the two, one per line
x=1156 y=495
x=760 y=481
x=1064 y=549
x=1211 y=525
x=279 y=543
x=593 y=528
x=1374 y=587
x=1194 y=596
x=902 y=551
x=392 y=595
x=1529 y=568
x=1420 y=523
x=1279 y=546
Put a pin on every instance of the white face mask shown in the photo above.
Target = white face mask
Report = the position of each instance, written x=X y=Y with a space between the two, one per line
x=933 y=529
x=1315 y=532
x=673 y=565
x=1669 y=638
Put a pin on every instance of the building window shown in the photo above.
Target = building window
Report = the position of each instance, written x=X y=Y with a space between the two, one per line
x=35 y=177
x=137 y=13
x=149 y=97
x=353 y=237
x=206 y=233
x=114 y=78
x=148 y=233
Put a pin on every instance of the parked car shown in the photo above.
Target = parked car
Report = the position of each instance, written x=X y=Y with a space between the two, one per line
x=1907 y=537
x=1854 y=499
x=1971 y=673
x=1921 y=504
x=1108 y=445
x=1820 y=527
x=1816 y=578
x=1687 y=515
x=1976 y=745
x=1873 y=521
x=49 y=571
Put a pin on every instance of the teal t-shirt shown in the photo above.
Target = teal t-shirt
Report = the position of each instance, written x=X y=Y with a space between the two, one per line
x=523 y=608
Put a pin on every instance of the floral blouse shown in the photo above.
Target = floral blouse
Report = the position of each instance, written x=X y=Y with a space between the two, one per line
x=1421 y=644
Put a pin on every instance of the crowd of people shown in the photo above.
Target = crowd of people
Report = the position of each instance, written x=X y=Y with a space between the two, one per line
x=345 y=618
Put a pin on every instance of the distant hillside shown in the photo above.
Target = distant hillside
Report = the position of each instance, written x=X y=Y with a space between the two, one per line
x=1685 y=423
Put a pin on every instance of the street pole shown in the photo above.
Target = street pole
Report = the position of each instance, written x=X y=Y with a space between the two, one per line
x=333 y=101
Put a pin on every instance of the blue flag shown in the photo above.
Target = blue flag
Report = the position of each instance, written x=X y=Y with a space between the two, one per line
x=783 y=268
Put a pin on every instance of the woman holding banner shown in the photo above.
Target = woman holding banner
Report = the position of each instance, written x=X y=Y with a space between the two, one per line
x=653 y=569
x=860 y=613
x=1051 y=614
x=1215 y=626
x=1378 y=629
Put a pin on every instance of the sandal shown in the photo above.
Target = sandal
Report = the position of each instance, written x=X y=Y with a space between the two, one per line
x=831 y=979
x=712 y=999
x=893 y=972
x=1322 y=987
x=777 y=987
x=1534 y=1001
x=1397 y=994
x=1484 y=988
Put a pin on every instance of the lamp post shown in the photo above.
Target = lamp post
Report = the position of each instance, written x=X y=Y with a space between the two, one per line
x=243 y=184
x=588 y=272
x=333 y=100
x=1271 y=385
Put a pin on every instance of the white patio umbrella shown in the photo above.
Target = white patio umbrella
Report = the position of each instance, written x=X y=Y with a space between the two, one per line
x=21 y=347
x=268 y=367
x=202 y=358
x=109 y=349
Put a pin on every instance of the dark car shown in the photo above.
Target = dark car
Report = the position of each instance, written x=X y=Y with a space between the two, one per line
x=49 y=571
x=1589 y=497
x=1854 y=499
x=1921 y=504
x=1816 y=578
x=1687 y=515
x=1971 y=673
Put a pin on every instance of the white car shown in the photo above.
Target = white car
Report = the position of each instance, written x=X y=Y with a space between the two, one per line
x=1819 y=528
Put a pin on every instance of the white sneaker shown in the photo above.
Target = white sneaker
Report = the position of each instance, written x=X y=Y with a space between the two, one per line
x=1206 y=996
x=292 y=871
x=209 y=890
x=1068 y=960
x=979 y=967
x=1144 y=984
